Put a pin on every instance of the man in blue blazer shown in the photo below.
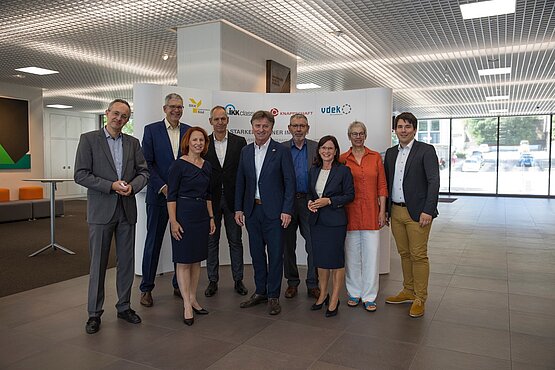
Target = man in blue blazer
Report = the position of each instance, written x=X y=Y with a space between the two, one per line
x=161 y=146
x=264 y=196
x=412 y=172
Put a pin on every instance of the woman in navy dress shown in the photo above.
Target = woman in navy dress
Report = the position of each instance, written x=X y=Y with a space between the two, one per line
x=191 y=216
x=331 y=187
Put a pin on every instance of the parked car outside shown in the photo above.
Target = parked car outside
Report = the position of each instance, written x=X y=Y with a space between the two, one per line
x=471 y=165
x=476 y=154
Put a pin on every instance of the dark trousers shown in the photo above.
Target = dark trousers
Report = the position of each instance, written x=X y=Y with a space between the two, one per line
x=100 y=239
x=233 y=233
x=156 y=223
x=299 y=219
x=266 y=235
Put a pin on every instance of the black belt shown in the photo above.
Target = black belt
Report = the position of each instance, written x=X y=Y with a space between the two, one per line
x=400 y=204
x=191 y=198
x=300 y=195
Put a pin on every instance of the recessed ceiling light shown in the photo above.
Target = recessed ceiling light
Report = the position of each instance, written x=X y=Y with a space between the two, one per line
x=308 y=86
x=487 y=8
x=37 y=71
x=165 y=56
x=59 y=106
x=494 y=71
x=498 y=97
x=498 y=110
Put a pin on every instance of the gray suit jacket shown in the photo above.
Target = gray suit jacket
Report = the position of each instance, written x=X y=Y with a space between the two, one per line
x=312 y=147
x=95 y=170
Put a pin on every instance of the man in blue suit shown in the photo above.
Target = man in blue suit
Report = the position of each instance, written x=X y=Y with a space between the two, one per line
x=264 y=200
x=161 y=146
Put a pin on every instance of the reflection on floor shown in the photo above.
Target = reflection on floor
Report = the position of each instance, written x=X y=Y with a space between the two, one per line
x=491 y=306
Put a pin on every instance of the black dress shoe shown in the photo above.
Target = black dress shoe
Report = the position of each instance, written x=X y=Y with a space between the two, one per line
x=189 y=322
x=130 y=316
x=273 y=306
x=334 y=312
x=254 y=300
x=93 y=325
x=200 y=311
x=240 y=287
x=316 y=307
x=177 y=292
x=211 y=290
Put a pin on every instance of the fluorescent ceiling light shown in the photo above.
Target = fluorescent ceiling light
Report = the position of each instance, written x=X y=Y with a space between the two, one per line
x=494 y=71
x=499 y=97
x=59 y=106
x=488 y=8
x=498 y=110
x=37 y=71
x=308 y=86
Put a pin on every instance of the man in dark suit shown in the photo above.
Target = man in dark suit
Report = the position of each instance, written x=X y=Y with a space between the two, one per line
x=112 y=167
x=223 y=154
x=412 y=172
x=161 y=147
x=303 y=151
x=264 y=201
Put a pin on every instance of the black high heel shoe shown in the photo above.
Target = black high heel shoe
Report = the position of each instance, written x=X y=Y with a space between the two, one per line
x=200 y=311
x=316 y=307
x=334 y=312
x=190 y=321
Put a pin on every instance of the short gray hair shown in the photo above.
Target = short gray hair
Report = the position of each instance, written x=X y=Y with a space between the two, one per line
x=356 y=123
x=172 y=96
x=298 y=115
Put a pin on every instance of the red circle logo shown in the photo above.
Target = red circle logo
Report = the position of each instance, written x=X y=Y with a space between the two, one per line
x=274 y=111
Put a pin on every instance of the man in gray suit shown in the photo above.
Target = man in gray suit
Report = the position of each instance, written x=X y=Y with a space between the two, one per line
x=303 y=152
x=112 y=167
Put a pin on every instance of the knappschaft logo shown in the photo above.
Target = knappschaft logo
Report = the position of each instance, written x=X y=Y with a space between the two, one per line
x=276 y=112
x=336 y=109
x=233 y=111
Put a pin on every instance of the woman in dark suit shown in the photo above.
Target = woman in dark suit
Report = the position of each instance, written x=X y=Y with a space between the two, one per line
x=191 y=216
x=331 y=187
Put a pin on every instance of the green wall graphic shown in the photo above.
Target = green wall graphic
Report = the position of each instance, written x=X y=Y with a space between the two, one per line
x=14 y=134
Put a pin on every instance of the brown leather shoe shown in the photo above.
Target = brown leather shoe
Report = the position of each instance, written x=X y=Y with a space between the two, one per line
x=273 y=306
x=146 y=299
x=254 y=300
x=291 y=291
x=313 y=292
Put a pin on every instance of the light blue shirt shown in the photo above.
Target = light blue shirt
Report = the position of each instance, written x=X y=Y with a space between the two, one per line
x=116 y=148
x=397 y=193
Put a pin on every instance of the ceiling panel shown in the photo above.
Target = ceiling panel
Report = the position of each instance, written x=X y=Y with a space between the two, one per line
x=424 y=50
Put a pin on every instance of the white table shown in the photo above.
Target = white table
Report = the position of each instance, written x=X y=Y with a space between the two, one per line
x=53 y=243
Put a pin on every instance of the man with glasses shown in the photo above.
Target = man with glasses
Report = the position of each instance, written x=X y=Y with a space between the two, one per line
x=303 y=151
x=111 y=166
x=161 y=146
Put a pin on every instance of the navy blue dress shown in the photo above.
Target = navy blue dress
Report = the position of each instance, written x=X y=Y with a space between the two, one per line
x=188 y=186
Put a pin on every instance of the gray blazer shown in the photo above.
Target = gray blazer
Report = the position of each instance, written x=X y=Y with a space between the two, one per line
x=95 y=170
x=311 y=146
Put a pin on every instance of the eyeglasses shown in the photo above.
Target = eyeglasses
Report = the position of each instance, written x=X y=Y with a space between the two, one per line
x=180 y=107
x=357 y=134
x=298 y=126
x=120 y=115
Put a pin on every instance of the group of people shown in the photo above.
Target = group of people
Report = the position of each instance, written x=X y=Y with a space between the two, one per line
x=339 y=202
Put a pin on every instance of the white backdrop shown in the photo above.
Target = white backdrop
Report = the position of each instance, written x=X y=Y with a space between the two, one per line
x=329 y=113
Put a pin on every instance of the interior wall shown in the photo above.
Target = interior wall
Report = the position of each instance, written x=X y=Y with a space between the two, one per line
x=13 y=179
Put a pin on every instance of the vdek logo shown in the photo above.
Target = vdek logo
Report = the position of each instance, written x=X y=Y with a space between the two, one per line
x=195 y=105
x=336 y=109
x=232 y=111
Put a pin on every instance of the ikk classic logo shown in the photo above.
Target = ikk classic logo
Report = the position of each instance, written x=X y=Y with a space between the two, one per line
x=232 y=111
x=195 y=106
x=333 y=110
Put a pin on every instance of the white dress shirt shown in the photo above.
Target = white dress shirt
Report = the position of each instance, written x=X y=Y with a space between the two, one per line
x=173 y=133
x=220 y=147
x=397 y=194
x=259 y=155
x=321 y=182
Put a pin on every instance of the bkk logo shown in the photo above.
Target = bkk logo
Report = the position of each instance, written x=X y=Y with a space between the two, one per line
x=195 y=105
x=336 y=109
x=232 y=111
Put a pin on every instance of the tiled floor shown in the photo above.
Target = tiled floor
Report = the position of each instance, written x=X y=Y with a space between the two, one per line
x=491 y=306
